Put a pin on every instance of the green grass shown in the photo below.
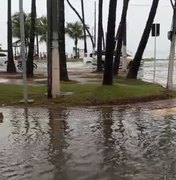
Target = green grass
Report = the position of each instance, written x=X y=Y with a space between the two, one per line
x=85 y=93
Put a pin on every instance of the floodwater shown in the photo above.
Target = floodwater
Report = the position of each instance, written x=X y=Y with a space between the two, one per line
x=147 y=72
x=107 y=143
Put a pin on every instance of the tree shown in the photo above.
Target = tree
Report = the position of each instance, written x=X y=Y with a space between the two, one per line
x=61 y=35
x=41 y=28
x=30 y=57
x=10 y=63
x=100 y=33
x=86 y=27
x=49 y=46
x=83 y=18
x=75 y=31
x=16 y=26
x=120 y=33
x=133 y=71
x=108 y=74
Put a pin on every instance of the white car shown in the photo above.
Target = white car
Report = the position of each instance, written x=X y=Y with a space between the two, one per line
x=3 y=58
x=94 y=61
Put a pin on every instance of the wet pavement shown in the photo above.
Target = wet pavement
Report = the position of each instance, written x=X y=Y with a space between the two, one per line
x=107 y=143
x=81 y=72
x=77 y=71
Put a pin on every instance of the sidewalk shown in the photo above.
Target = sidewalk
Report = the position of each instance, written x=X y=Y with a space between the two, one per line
x=17 y=78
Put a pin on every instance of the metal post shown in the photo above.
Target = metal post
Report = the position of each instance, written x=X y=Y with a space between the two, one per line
x=172 y=51
x=154 y=71
x=23 y=59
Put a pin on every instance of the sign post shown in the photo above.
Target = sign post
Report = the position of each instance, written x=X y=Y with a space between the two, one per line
x=155 y=33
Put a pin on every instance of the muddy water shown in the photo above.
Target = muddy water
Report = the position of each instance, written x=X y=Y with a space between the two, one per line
x=87 y=144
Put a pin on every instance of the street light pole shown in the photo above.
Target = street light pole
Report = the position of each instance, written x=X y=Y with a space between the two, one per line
x=22 y=34
x=172 y=50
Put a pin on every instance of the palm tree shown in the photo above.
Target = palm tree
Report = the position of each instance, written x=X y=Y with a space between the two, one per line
x=86 y=27
x=75 y=31
x=121 y=31
x=16 y=26
x=61 y=35
x=10 y=63
x=30 y=57
x=108 y=74
x=100 y=33
x=133 y=71
x=41 y=28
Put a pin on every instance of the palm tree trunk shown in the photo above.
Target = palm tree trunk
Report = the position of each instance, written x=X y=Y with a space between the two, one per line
x=100 y=32
x=108 y=74
x=37 y=44
x=76 y=47
x=30 y=57
x=124 y=50
x=83 y=18
x=120 y=37
x=61 y=35
x=103 y=39
x=10 y=63
x=49 y=45
x=133 y=71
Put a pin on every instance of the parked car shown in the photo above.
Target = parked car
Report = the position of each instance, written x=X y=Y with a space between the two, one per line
x=94 y=60
x=88 y=59
x=3 y=58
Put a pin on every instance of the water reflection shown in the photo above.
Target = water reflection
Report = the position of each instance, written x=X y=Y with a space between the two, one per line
x=58 y=144
x=97 y=143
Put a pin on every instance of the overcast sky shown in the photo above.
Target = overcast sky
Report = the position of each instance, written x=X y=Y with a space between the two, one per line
x=137 y=16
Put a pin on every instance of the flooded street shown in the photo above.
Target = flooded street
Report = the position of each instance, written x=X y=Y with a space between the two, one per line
x=135 y=142
x=108 y=143
x=160 y=73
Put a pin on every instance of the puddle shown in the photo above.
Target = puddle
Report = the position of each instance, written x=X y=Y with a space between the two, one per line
x=96 y=143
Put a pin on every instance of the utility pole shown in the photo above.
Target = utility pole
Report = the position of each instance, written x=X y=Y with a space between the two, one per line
x=172 y=37
x=53 y=50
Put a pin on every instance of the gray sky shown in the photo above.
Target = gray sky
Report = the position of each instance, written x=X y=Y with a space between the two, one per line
x=137 y=15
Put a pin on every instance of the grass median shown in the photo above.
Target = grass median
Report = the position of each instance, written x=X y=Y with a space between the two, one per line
x=123 y=92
